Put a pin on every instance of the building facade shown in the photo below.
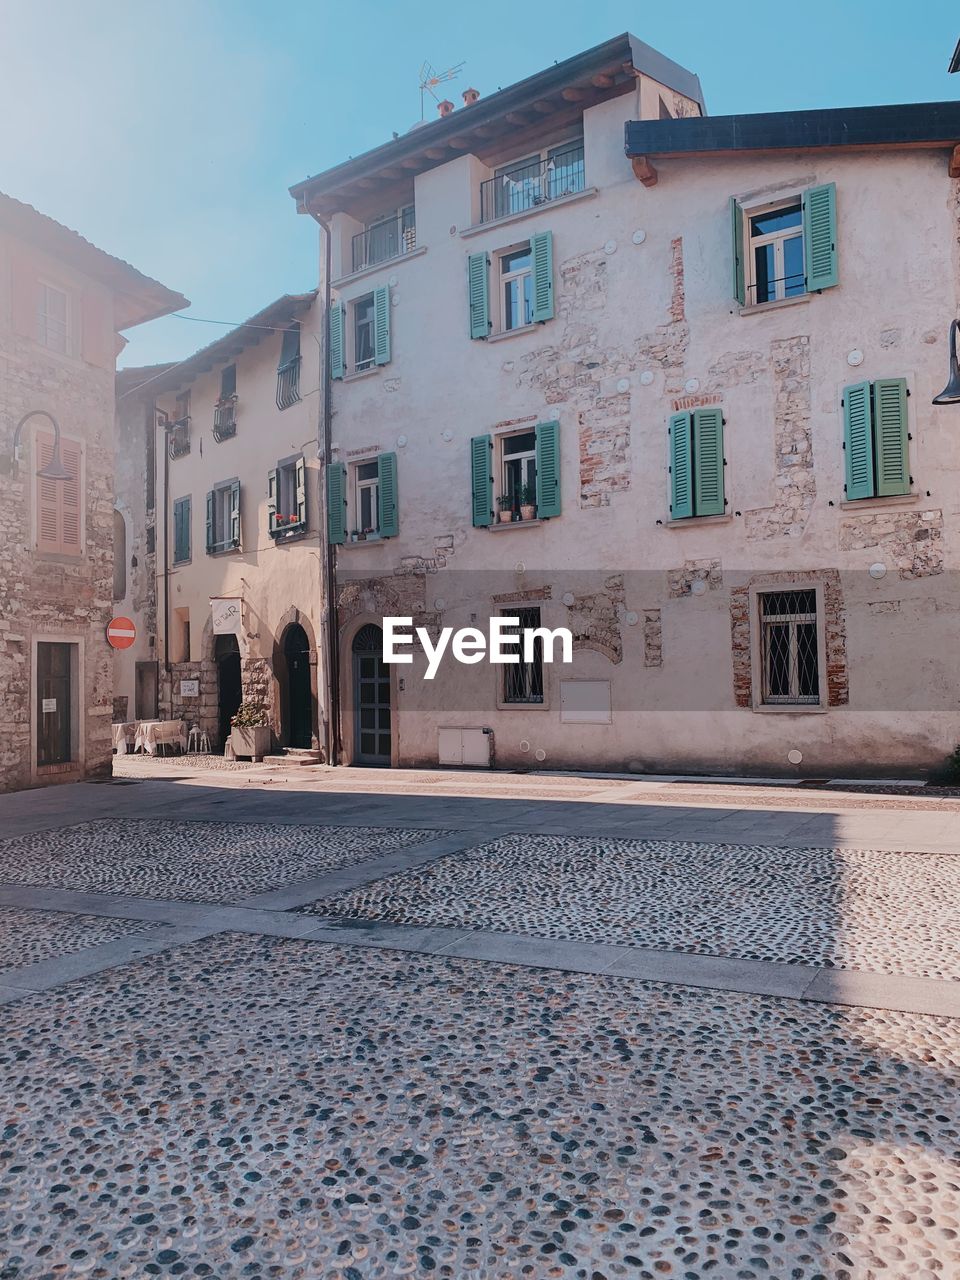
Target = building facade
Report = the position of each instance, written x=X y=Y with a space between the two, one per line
x=63 y=303
x=227 y=441
x=599 y=361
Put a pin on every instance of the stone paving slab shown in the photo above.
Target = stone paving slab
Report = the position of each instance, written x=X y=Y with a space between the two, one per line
x=213 y=861
x=249 y=1107
x=891 y=913
x=27 y=936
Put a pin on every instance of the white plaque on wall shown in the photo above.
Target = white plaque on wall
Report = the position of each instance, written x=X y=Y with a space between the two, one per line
x=225 y=612
x=189 y=688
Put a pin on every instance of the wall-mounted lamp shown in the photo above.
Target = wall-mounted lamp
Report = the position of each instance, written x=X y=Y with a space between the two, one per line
x=54 y=470
x=951 y=392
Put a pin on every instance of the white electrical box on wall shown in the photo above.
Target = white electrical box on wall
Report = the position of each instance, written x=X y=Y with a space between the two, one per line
x=464 y=747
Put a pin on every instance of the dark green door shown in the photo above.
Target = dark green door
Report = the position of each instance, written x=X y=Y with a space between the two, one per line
x=371 y=686
x=54 y=695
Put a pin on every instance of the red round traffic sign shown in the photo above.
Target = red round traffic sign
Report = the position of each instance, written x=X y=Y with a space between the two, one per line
x=121 y=633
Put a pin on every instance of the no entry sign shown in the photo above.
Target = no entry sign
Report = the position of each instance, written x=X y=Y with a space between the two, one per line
x=121 y=633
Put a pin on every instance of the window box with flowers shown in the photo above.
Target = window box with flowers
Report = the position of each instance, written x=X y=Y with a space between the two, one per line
x=287 y=499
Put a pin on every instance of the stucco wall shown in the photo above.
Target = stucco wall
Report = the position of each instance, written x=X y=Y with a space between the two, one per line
x=662 y=307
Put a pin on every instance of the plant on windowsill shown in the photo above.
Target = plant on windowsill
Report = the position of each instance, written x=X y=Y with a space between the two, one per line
x=505 y=505
x=528 y=502
x=354 y=535
x=250 y=730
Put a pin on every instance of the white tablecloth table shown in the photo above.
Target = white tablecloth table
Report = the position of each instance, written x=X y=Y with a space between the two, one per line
x=152 y=734
x=124 y=736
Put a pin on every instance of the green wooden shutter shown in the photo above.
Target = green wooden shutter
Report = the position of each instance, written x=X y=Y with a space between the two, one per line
x=478 y=292
x=387 y=512
x=211 y=522
x=890 y=436
x=301 y=482
x=858 y=442
x=338 y=326
x=739 y=275
x=273 y=492
x=181 y=530
x=681 y=466
x=235 y=513
x=336 y=503
x=541 y=248
x=820 y=236
x=548 y=469
x=381 y=325
x=481 y=448
x=708 y=462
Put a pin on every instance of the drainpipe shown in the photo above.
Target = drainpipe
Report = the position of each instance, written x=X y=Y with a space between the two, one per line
x=162 y=421
x=329 y=582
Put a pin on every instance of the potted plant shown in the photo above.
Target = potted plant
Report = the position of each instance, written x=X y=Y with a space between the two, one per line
x=528 y=502
x=505 y=504
x=250 y=731
x=354 y=535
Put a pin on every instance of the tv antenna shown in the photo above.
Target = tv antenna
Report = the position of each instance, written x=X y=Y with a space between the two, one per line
x=430 y=78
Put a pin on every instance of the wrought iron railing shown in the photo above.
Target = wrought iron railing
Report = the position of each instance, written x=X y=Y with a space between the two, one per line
x=288 y=383
x=385 y=240
x=225 y=418
x=178 y=438
x=530 y=185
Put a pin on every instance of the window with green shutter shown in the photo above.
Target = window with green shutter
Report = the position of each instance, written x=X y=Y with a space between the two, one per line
x=696 y=464
x=478 y=294
x=785 y=249
x=381 y=325
x=388 y=517
x=481 y=475
x=181 y=529
x=548 y=470
x=287 y=498
x=338 y=340
x=876 y=439
x=223 y=517
x=336 y=503
x=541 y=249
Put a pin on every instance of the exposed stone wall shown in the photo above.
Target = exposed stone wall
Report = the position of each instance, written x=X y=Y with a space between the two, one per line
x=652 y=638
x=594 y=619
x=680 y=581
x=910 y=540
x=794 y=479
x=44 y=595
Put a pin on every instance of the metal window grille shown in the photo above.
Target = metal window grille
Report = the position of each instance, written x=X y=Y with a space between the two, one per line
x=789 y=648
x=517 y=188
x=523 y=681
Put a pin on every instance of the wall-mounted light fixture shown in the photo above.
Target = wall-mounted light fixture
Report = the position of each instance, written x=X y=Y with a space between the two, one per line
x=54 y=470
x=951 y=392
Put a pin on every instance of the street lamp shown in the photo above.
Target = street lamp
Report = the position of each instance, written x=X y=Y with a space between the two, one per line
x=951 y=392
x=54 y=470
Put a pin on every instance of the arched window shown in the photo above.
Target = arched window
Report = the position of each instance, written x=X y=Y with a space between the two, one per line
x=119 y=555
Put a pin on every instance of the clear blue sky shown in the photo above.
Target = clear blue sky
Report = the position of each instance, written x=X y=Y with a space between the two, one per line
x=168 y=133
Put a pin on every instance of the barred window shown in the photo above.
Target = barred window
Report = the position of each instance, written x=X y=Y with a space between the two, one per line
x=523 y=681
x=789 y=651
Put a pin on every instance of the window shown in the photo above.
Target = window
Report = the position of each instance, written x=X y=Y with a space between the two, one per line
x=288 y=370
x=523 y=293
x=385 y=238
x=875 y=439
x=533 y=180
x=775 y=254
x=178 y=432
x=785 y=249
x=363 y=502
x=360 y=334
x=517 y=471
x=53 y=319
x=225 y=410
x=59 y=503
x=180 y=636
x=119 y=555
x=363 y=331
x=696 y=464
x=223 y=517
x=789 y=649
x=523 y=681
x=287 y=498
x=150 y=458
x=182 y=514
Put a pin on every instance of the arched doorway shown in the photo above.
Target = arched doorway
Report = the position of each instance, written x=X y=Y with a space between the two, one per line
x=371 y=698
x=226 y=654
x=297 y=708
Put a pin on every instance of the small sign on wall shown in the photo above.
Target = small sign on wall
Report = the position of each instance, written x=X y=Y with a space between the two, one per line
x=49 y=704
x=189 y=688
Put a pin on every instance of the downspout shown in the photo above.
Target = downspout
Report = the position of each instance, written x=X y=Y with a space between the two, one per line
x=162 y=420
x=332 y=719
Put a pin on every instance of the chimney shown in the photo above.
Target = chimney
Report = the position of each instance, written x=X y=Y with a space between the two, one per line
x=445 y=107
x=470 y=96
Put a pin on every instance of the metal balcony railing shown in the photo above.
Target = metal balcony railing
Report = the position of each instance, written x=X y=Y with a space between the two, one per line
x=178 y=438
x=225 y=418
x=288 y=383
x=385 y=240
x=530 y=185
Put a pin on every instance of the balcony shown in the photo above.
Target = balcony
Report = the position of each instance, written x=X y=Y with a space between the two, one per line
x=391 y=238
x=178 y=438
x=527 y=186
x=288 y=383
x=225 y=418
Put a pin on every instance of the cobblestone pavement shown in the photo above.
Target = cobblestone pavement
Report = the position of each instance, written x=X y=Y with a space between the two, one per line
x=846 y=908
x=247 y=1107
x=193 y=861
x=28 y=936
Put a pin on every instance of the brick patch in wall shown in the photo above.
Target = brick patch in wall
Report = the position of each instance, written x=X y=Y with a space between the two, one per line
x=794 y=480
x=594 y=619
x=912 y=540
x=520 y=597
